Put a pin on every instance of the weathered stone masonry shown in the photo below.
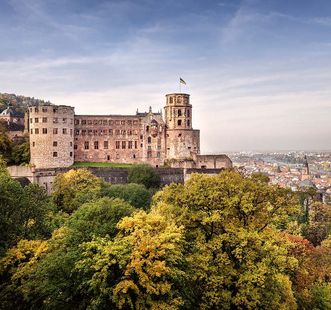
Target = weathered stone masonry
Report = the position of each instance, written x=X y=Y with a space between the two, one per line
x=58 y=137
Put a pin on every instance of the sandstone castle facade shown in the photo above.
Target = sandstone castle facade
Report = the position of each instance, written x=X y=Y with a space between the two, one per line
x=58 y=137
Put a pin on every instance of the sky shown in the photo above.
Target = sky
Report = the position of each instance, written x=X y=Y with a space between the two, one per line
x=258 y=71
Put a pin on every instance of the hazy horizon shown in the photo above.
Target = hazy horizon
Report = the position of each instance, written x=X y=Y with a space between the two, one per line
x=258 y=72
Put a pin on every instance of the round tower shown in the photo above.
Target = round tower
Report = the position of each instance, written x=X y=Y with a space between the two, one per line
x=51 y=136
x=182 y=141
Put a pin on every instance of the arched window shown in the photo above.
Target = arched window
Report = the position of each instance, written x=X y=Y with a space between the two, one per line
x=179 y=122
x=179 y=112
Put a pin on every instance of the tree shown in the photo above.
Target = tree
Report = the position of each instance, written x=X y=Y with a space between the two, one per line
x=20 y=153
x=6 y=144
x=144 y=174
x=236 y=257
x=140 y=269
x=135 y=194
x=55 y=282
x=75 y=187
x=16 y=267
x=318 y=226
x=23 y=212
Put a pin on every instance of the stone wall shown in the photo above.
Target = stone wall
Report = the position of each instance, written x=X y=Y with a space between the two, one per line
x=51 y=136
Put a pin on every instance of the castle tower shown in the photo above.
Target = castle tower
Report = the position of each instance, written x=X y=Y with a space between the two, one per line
x=183 y=142
x=51 y=136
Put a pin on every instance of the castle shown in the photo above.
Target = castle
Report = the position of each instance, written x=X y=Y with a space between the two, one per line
x=58 y=137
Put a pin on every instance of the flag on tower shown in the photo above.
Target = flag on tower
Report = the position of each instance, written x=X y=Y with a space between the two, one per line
x=182 y=81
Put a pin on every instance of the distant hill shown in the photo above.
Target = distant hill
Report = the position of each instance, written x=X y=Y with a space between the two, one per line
x=19 y=103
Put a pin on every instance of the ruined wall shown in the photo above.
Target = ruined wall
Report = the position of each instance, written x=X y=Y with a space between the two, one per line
x=213 y=161
x=120 y=138
x=51 y=136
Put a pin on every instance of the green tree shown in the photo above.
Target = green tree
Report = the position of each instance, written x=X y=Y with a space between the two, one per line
x=135 y=194
x=55 y=283
x=140 y=269
x=144 y=174
x=23 y=212
x=235 y=255
x=318 y=226
x=20 y=153
x=75 y=187
x=6 y=144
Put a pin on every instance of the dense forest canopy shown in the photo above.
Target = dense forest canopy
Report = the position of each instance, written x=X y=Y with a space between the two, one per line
x=215 y=242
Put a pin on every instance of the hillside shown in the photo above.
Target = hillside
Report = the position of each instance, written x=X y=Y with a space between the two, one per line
x=19 y=103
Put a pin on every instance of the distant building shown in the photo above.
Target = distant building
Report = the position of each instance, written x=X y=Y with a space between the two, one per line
x=58 y=137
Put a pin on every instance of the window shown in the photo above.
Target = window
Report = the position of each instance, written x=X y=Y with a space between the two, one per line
x=64 y=120
x=149 y=140
x=110 y=132
x=36 y=110
x=135 y=122
x=76 y=121
x=44 y=130
x=149 y=148
x=105 y=145
x=86 y=145
x=83 y=132
x=158 y=154
x=96 y=145
x=75 y=147
x=188 y=113
x=70 y=144
x=90 y=131
x=54 y=143
x=129 y=123
x=95 y=122
x=30 y=120
x=134 y=155
x=70 y=132
x=111 y=122
x=108 y=157
x=33 y=143
x=179 y=112
x=70 y=154
x=117 y=132
x=147 y=128
x=188 y=123
x=54 y=154
x=31 y=131
x=44 y=119
x=135 y=144
x=100 y=122
x=95 y=132
x=149 y=154
x=36 y=120
x=64 y=131
x=122 y=122
x=55 y=120
x=171 y=100
x=117 y=122
x=123 y=132
x=44 y=109
x=83 y=121
x=179 y=122
x=123 y=144
x=104 y=122
x=130 y=145
x=117 y=144
x=77 y=132
x=89 y=122
x=55 y=131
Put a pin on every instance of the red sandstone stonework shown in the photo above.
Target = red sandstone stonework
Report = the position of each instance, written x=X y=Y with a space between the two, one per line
x=58 y=137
